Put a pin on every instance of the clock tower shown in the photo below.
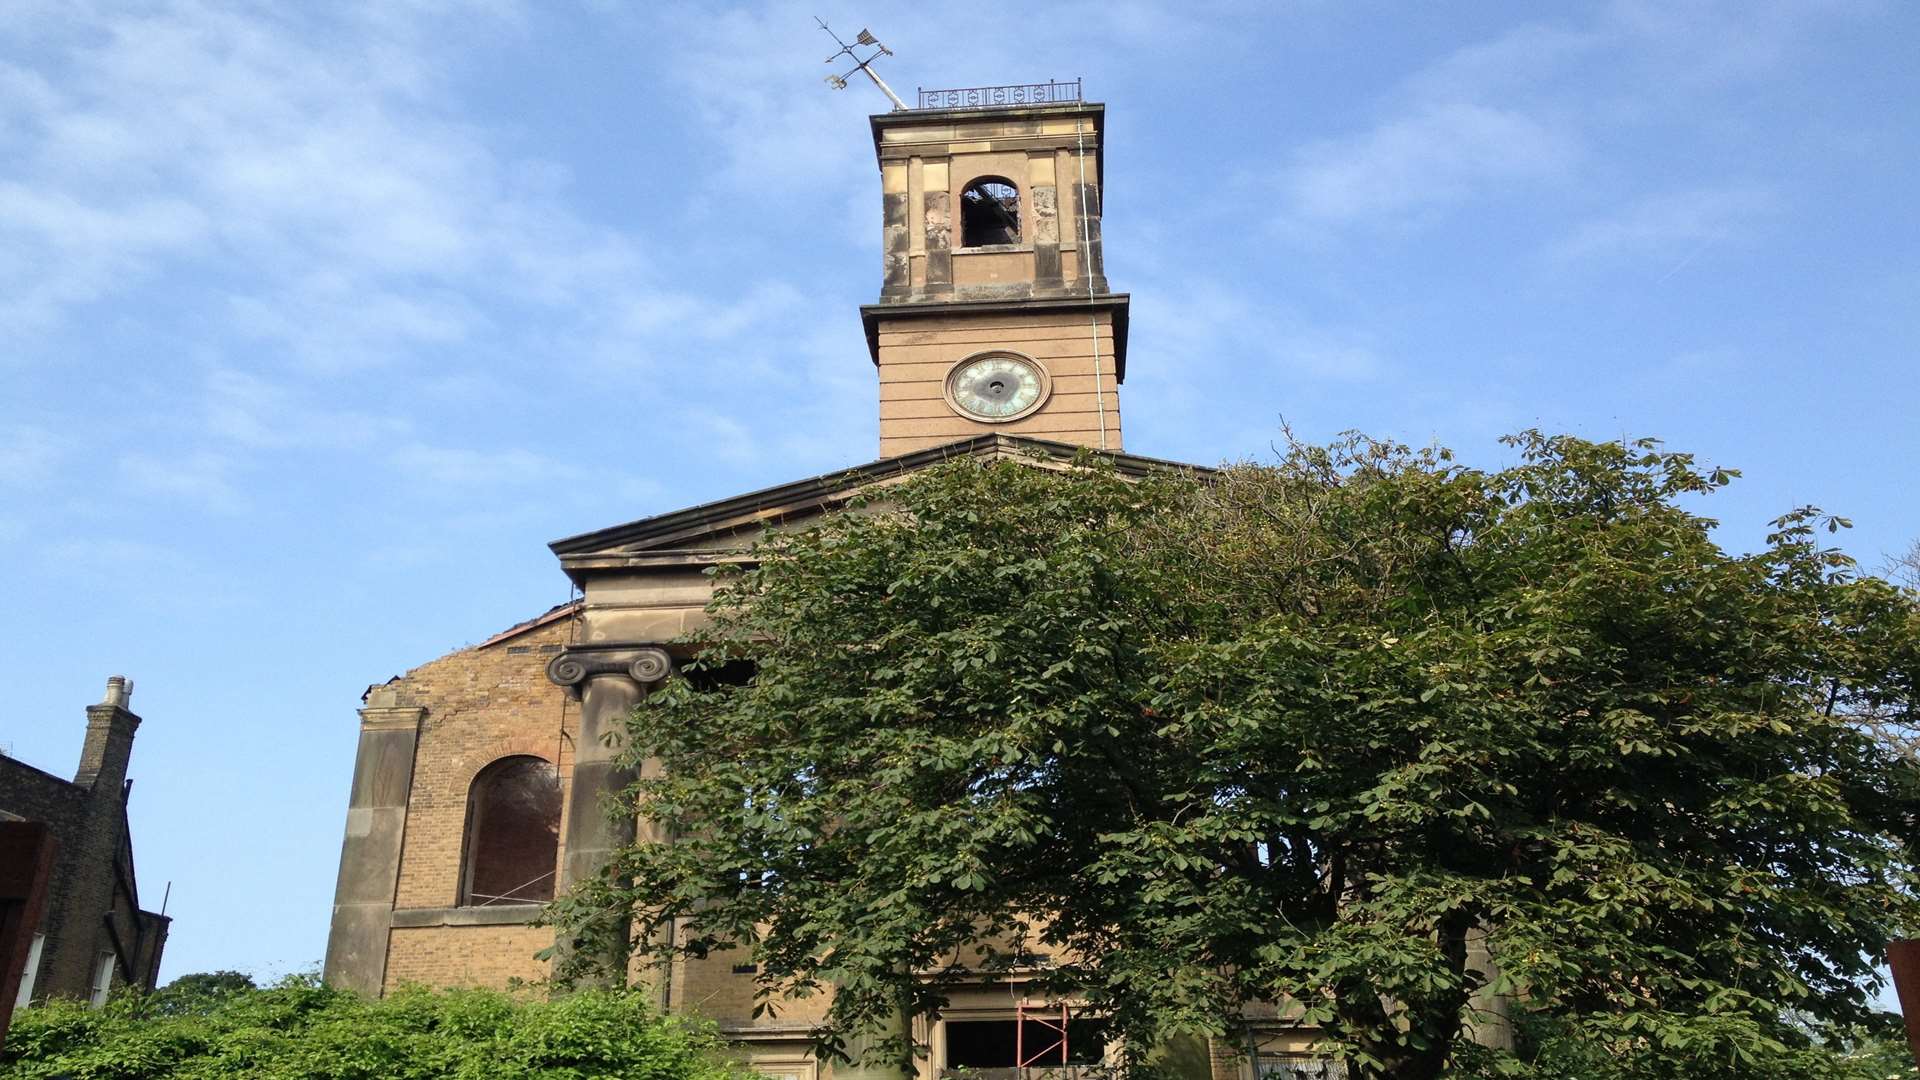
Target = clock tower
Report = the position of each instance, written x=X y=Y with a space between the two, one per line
x=994 y=312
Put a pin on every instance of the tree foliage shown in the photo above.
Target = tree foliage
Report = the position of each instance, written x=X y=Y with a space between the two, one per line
x=198 y=992
x=1331 y=732
x=302 y=1031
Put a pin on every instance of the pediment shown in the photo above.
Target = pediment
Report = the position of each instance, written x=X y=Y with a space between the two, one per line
x=715 y=531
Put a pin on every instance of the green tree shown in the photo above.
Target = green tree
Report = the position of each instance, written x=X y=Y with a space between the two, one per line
x=1905 y=567
x=300 y=1030
x=1329 y=732
x=199 y=992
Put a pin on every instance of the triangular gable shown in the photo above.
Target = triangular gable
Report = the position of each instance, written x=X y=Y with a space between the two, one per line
x=709 y=526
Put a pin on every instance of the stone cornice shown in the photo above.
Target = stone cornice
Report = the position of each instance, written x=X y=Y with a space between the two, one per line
x=495 y=915
x=601 y=550
x=392 y=716
x=871 y=315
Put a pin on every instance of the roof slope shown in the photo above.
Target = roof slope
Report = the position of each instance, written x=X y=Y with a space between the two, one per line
x=758 y=509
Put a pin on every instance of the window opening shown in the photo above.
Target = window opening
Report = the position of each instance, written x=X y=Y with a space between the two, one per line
x=513 y=833
x=989 y=213
x=1040 y=1038
x=708 y=675
x=1298 y=1066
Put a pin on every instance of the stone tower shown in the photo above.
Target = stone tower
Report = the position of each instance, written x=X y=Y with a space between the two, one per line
x=994 y=311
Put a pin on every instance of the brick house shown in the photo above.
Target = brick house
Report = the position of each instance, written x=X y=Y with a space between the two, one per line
x=93 y=934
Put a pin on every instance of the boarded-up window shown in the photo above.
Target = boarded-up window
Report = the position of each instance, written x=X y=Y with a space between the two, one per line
x=989 y=213
x=513 y=833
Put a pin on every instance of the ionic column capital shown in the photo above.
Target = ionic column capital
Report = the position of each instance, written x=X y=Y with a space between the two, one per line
x=644 y=664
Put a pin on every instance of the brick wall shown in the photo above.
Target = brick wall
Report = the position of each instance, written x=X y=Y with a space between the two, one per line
x=482 y=956
x=93 y=886
x=28 y=794
x=482 y=704
x=712 y=989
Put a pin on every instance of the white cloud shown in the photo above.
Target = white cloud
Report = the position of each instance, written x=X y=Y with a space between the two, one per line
x=1668 y=230
x=58 y=252
x=458 y=470
x=202 y=477
x=243 y=150
x=28 y=455
x=1513 y=111
x=139 y=579
x=1477 y=122
x=1193 y=320
x=102 y=555
x=1434 y=155
x=252 y=411
x=720 y=435
x=1514 y=62
x=1696 y=42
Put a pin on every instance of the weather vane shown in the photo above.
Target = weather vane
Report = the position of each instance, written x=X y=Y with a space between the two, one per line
x=839 y=82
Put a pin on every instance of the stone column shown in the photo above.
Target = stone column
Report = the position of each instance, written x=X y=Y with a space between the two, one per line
x=608 y=681
x=1494 y=1024
x=370 y=853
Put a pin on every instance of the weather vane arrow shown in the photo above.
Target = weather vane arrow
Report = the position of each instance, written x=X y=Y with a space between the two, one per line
x=839 y=82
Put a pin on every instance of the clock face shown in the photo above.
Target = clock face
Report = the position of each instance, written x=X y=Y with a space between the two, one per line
x=996 y=387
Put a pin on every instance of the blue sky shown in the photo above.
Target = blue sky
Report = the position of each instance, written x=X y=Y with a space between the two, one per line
x=317 y=322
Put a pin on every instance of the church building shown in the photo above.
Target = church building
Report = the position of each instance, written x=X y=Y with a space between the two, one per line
x=476 y=791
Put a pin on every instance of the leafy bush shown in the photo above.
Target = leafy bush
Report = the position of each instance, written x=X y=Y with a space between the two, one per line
x=304 y=1030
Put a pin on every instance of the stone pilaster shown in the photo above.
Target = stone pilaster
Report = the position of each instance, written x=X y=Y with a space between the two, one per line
x=895 y=236
x=608 y=681
x=1086 y=201
x=878 y=1067
x=936 y=173
x=370 y=853
x=1043 y=222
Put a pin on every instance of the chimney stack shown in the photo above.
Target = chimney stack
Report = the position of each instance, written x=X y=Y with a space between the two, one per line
x=119 y=691
x=109 y=745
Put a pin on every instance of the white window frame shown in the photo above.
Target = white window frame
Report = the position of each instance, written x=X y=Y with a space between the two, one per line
x=103 y=977
x=27 y=976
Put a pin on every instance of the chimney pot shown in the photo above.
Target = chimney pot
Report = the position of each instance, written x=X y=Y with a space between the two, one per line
x=119 y=691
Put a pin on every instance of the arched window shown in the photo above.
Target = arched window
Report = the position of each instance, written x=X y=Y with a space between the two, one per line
x=513 y=833
x=990 y=212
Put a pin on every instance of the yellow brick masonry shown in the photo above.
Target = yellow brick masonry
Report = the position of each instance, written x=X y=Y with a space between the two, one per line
x=489 y=957
x=482 y=704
